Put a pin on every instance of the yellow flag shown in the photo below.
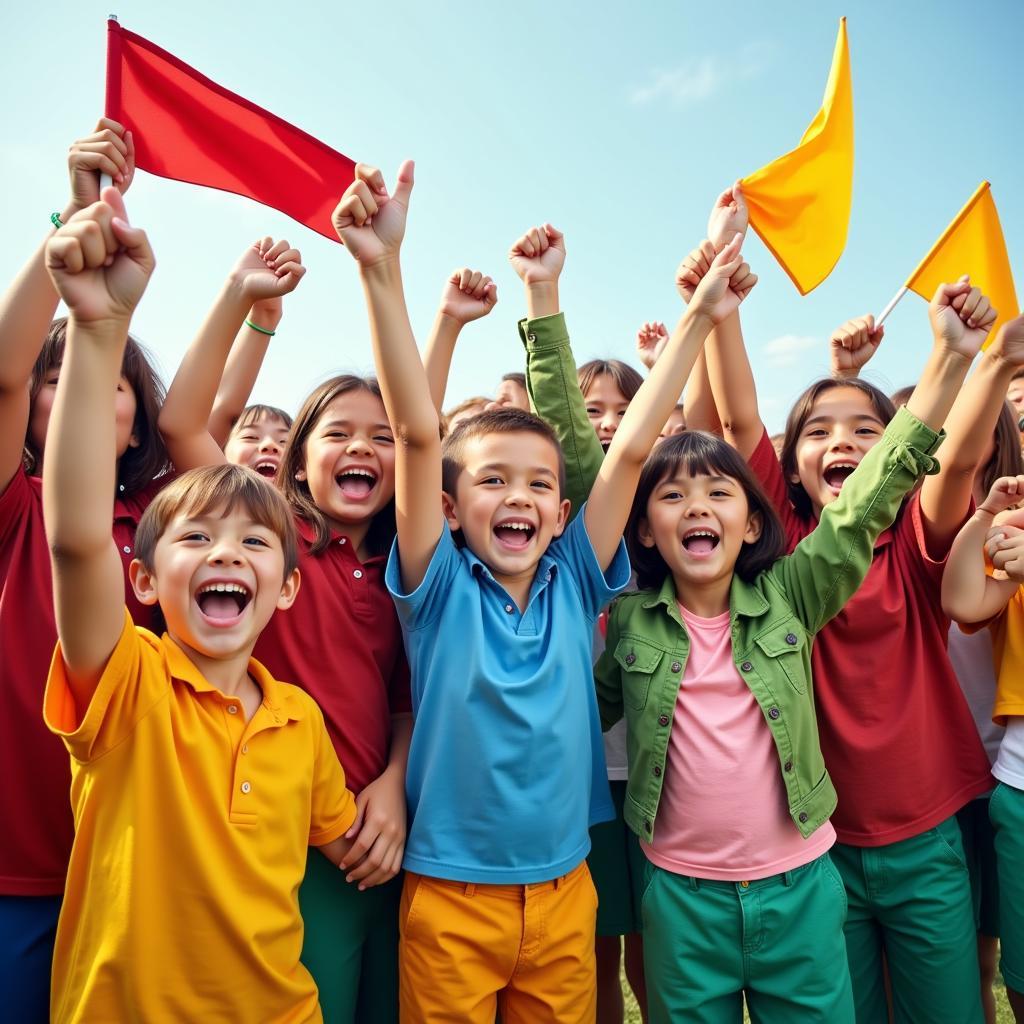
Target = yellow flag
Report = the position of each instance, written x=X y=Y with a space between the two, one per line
x=800 y=203
x=973 y=244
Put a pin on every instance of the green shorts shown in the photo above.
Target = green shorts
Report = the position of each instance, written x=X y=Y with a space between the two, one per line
x=1006 y=808
x=980 y=852
x=616 y=864
x=777 y=940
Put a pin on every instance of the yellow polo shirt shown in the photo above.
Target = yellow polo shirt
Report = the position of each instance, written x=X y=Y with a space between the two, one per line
x=191 y=832
x=1008 y=648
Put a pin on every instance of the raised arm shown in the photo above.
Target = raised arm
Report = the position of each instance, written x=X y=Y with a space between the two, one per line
x=852 y=345
x=467 y=295
x=961 y=317
x=28 y=305
x=261 y=273
x=371 y=224
x=100 y=266
x=719 y=294
x=969 y=594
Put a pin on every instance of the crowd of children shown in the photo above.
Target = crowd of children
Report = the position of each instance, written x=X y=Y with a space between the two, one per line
x=382 y=714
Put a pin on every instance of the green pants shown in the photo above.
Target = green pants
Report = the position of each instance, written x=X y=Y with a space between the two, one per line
x=912 y=901
x=778 y=939
x=1006 y=809
x=616 y=865
x=351 y=944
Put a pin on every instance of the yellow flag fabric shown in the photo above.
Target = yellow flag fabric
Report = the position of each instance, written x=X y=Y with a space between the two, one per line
x=800 y=203
x=973 y=244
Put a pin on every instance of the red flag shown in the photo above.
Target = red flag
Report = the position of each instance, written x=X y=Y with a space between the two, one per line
x=189 y=128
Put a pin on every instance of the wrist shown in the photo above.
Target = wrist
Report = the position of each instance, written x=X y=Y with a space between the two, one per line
x=448 y=324
x=845 y=373
x=268 y=319
x=984 y=512
x=541 y=298
x=385 y=270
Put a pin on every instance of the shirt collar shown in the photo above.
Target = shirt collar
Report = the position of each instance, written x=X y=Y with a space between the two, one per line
x=744 y=599
x=307 y=534
x=547 y=567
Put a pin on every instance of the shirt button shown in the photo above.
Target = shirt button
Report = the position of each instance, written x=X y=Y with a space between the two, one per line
x=744 y=885
x=508 y=608
x=802 y=816
x=788 y=766
x=657 y=770
x=126 y=549
x=791 y=639
x=232 y=709
x=246 y=787
x=341 y=540
x=662 y=719
x=774 y=713
x=630 y=658
x=358 y=574
x=746 y=666
x=676 y=667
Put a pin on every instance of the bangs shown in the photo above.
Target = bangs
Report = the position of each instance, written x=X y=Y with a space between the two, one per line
x=252 y=415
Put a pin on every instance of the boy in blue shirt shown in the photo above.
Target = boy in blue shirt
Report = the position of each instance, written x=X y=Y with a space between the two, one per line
x=506 y=770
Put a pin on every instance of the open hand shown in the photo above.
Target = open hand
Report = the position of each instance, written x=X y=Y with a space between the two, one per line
x=468 y=295
x=538 y=256
x=110 y=149
x=369 y=221
x=650 y=343
x=961 y=317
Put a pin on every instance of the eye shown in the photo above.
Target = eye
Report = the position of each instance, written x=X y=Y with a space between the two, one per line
x=195 y=536
x=816 y=432
x=542 y=484
x=258 y=542
x=867 y=431
x=672 y=496
x=719 y=492
x=593 y=410
x=384 y=439
x=335 y=435
x=250 y=438
x=492 y=480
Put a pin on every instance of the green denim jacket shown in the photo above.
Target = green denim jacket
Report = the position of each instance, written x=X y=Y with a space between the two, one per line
x=773 y=619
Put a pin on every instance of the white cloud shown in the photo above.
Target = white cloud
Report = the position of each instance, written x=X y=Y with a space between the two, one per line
x=787 y=350
x=699 y=79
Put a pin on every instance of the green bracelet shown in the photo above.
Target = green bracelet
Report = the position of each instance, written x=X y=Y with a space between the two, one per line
x=262 y=330
x=55 y=220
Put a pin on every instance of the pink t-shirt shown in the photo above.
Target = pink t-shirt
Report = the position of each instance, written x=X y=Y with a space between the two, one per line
x=723 y=812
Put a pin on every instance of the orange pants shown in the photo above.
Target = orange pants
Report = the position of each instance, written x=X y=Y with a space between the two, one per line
x=469 y=950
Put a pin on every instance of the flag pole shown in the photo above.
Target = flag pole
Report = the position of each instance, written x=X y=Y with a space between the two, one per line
x=888 y=309
x=105 y=179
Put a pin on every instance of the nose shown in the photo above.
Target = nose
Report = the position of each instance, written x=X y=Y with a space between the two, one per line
x=269 y=444
x=225 y=552
x=359 y=445
x=842 y=440
x=519 y=497
x=608 y=424
x=697 y=508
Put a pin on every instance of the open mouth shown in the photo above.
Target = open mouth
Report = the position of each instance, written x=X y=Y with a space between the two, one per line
x=837 y=474
x=515 y=534
x=700 y=542
x=606 y=444
x=356 y=482
x=223 y=603
x=266 y=468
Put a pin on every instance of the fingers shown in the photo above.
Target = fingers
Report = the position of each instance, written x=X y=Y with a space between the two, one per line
x=554 y=236
x=373 y=177
x=743 y=281
x=133 y=240
x=403 y=187
x=390 y=865
x=945 y=293
x=728 y=260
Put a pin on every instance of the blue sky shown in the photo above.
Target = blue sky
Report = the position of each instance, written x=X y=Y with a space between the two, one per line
x=618 y=124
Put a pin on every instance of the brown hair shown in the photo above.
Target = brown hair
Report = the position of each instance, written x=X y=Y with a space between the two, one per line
x=697 y=453
x=506 y=420
x=139 y=465
x=627 y=380
x=902 y=396
x=798 y=415
x=465 y=405
x=1006 y=458
x=202 y=491
x=515 y=378
x=382 y=528
x=251 y=415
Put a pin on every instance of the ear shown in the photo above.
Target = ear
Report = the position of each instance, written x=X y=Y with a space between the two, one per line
x=754 y=526
x=133 y=441
x=564 y=507
x=289 y=590
x=794 y=478
x=450 y=511
x=643 y=532
x=143 y=582
x=300 y=474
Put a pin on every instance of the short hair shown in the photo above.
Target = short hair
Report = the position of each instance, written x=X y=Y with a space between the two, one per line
x=251 y=415
x=506 y=420
x=226 y=487
x=465 y=405
x=139 y=465
x=514 y=378
x=1017 y=374
x=697 y=453
x=627 y=380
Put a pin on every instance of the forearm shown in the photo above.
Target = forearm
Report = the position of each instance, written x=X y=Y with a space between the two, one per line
x=938 y=387
x=437 y=356
x=401 y=738
x=732 y=386
x=969 y=594
x=542 y=299
x=699 y=408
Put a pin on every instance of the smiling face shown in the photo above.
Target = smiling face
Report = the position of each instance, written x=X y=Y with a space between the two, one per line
x=840 y=429
x=349 y=462
x=507 y=502
x=699 y=525
x=258 y=445
x=218 y=577
x=606 y=405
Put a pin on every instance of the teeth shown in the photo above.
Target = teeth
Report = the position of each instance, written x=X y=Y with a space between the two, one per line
x=359 y=472
x=516 y=526
x=843 y=465
x=702 y=533
x=224 y=588
x=266 y=465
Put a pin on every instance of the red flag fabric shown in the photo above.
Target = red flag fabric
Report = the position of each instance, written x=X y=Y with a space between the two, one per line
x=189 y=128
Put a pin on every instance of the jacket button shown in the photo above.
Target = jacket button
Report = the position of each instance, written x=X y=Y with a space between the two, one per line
x=802 y=816
x=662 y=719
x=656 y=770
x=788 y=766
x=791 y=638
x=746 y=666
x=647 y=826
x=630 y=658
x=676 y=667
x=774 y=713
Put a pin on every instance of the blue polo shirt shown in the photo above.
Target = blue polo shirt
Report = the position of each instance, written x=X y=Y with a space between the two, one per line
x=506 y=769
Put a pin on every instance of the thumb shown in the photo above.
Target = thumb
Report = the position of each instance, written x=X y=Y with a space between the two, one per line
x=113 y=198
x=945 y=293
x=134 y=241
x=737 y=195
x=406 y=179
x=729 y=258
x=555 y=237
x=724 y=199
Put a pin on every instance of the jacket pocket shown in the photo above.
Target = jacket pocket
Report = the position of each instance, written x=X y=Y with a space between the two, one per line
x=784 y=643
x=639 y=663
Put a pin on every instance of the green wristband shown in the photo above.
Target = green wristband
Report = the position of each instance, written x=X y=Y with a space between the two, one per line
x=262 y=330
x=55 y=220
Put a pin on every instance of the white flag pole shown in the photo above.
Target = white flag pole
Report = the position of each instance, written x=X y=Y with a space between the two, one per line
x=105 y=179
x=880 y=319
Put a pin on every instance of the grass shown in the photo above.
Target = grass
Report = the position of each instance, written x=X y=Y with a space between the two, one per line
x=1003 y=1013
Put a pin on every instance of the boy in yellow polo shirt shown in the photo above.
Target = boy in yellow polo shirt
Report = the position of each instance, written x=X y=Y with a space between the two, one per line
x=198 y=780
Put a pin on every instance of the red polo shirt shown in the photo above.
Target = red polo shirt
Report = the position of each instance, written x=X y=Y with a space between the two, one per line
x=341 y=642
x=35 y=801
x=896 y=731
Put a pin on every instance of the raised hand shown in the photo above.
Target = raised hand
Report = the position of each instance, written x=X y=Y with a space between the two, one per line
x=693 y=268
x=728 y=217
x=99 y=264
x=961 y=317
x=538 y=256
x=650 y=343
x=369 y=221
x=110 y=149
x=266 y=272
x=468 y=295
x=1006 y=492
x=853 y=344
x=726 y=284
x=1009 y=342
